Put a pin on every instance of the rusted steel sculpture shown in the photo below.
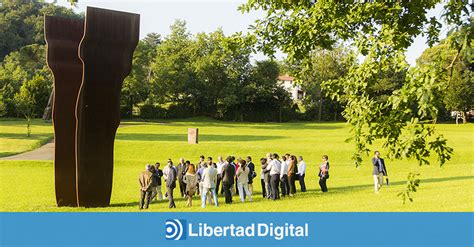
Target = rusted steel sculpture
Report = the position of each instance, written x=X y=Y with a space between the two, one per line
x=63 y=36
x=108 y=41
x=110 y=37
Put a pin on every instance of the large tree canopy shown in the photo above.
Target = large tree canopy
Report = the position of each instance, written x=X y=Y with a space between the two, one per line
x=22 y=23
x=381 y=32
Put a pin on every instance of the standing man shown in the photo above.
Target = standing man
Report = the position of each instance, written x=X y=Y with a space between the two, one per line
x=274 y=167
x=220 y=164
x=201 y=161
x=181 y=171
x=284 y=184
x=157 y=180
x=379 y=171
x=252 y=174
x=145 y=179
x=228 y=174
x=268 y=186
x=301 y=173
x=171 y=182
x=209 y=180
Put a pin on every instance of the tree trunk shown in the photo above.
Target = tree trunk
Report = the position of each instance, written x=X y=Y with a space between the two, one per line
x=464 y=117
x=48 y=111
x=130 y=105
x=280 y=115
x=320 y=105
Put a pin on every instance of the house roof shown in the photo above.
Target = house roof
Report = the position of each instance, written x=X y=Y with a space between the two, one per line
x=285 y=77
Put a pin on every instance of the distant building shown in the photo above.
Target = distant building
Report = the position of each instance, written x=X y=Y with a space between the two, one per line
x=287 y=82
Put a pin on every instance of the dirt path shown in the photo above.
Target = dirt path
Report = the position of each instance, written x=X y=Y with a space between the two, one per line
x=45 y=152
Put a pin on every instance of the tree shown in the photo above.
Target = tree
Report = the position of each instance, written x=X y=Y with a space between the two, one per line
x=136 y=87
x=32 y=98
x=172 y=74
x=22 y=49
x=456 y=72
x=19 y=67
x=323 y=65
x=381 y=31
x=22 y=23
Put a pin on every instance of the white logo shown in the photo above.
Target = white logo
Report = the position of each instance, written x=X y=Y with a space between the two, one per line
x=175 y=229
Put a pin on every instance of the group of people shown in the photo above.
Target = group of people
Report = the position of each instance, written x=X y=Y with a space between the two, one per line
x=233 y=176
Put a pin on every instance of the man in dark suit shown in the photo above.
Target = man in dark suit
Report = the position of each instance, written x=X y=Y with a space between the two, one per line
x=181 y=168
x=379 y=171
x=156 y=187
x=252 y=173
x=228 y=174
x=171 y=182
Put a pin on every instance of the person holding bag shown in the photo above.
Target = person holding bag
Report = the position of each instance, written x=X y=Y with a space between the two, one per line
x=324 y=173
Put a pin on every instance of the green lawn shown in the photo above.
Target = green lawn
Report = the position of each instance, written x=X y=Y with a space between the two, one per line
x=13 y=139
x=28 y=185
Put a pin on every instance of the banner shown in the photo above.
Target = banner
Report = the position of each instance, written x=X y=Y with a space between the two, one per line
x=236 y=229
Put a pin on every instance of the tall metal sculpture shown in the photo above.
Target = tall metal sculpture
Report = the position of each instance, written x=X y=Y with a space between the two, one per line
x=105 y=56
x=106 y=50
x=63 y=36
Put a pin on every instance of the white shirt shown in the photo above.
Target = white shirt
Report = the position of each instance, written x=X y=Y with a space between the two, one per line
x=284 y=169
x=274 y=167
x=166 y=170
x=219 y=167
x=301 y=168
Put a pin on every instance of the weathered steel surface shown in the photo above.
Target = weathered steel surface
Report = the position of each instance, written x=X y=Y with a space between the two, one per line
x=63 y=36
x=106 y=50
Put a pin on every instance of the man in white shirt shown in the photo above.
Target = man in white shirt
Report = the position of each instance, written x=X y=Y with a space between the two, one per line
x=274 y=167
x=284 y=184
x=266 y=176
x=220 y=164
x=208 y=180
x=301 y=173
x=166 y=171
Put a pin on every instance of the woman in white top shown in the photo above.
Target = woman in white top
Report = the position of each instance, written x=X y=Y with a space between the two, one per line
x=243 y=181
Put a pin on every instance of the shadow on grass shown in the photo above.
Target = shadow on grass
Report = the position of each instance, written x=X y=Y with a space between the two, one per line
x=124 y=204
x=309 y=192
x=6 y=154
x=184 y=137
x=22 y=136
x=266 y=125
x=209 y=122
x=370 y=186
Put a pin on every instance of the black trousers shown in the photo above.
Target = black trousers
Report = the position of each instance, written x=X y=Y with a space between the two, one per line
x=145 y=198
x=284 y=185
x=274 y=183
x=302 y=184
x=292 y=181
x=169 y=191
x=182 y=187
x=218 y=188
x=227 y=192
x=236 y=186
x=322 y=183
x=264 y=193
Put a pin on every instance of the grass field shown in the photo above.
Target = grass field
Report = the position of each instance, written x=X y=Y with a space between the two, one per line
x=28 y=185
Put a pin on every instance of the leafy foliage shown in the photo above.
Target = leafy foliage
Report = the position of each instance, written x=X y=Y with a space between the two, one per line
x=22 y=23
x=381 y=32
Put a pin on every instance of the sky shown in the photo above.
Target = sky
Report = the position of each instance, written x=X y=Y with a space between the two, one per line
x=207 y=16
